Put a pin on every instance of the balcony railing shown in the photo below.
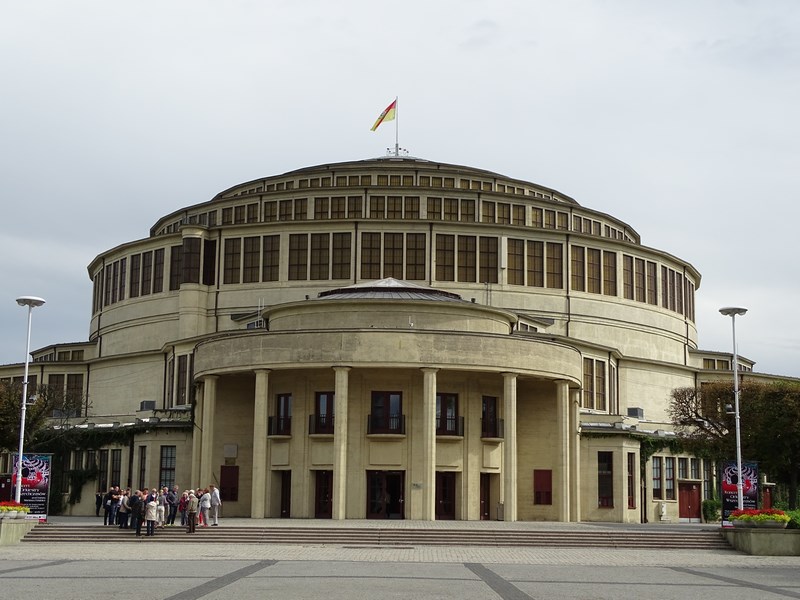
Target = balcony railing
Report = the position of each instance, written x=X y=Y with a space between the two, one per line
x=450 y=426
x=492 y=428
x=382 y=424
x=320 y=423
x=279 y=426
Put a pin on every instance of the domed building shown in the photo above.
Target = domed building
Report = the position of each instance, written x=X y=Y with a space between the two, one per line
x=391 y=338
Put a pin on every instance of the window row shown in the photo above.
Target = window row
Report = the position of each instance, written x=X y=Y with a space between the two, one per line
x=461 y=258
x=664 y=475
x=386 y=415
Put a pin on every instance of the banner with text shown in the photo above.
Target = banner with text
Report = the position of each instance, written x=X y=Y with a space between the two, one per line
x=35 y=492
x=730 y=493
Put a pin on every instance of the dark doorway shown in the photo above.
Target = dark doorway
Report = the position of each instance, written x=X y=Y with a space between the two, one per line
x=485 y=497
x=445 y=496
x=385 y=494
x=286 y=494
x=323 y=506
x=229 y=483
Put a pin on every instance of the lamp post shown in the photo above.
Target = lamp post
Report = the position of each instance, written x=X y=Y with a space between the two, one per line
x=31 y=302
x=732 y=311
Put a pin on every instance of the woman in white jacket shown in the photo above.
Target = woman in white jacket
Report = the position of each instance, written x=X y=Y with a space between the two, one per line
x=205 y=504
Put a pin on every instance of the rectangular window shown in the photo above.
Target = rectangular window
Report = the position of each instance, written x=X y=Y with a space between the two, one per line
x=543 y=486
x=652 y=290
x=272 y=251
x=341 y=256
x=631 y=480
x=298 y=257
x=605 y=479
x=122 y=280
x=394 y=207
x=593 y=271
x=435 y=209
x=281 y=424
x=370 y=256
x=252 y=260
x=488 y=260
x=627 y=276
x=102 y=467
x=536 y=264
x=142 y=467
x=467 y=258
x=503 y=213
x=445 y=257
x=600 y=385
x=694 y=466
x=147 y=273
x=549 y=219
x=321 y=208
x=190 y=272
x=664 y=287
x=74 y=400
x=658 y=492
x=447 y=421
x=487 y=212
x=609 y=273
x=393 y=255
x=232 y=261
x=239 y=214
x=518 y=214
x=683 y=468
x=209 y=262
x=612 y=388
x=377 y=207
x=555 y=267
x=639 y=280
x=322 y=419
x=166 y=471
x=411 y=207
x=451 y=209
x=338 y=207
x=285 y=208
x=183 y=370
x=536 y=217
x=669 y=477
x=158 y=271
x=270 y=211
x=588 y=383
x=516 y=262
x=116 y=466
x=386 y=413
x=468 y=211
x=320 y=256
x=114 y=281
x=415 y=256
x=490 y=423
x=578 y=265
x=175 y=267
x=354 y=207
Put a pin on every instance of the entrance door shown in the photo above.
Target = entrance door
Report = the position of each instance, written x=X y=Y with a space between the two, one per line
x=385 y=494
x=689 y=501
x=485 y=497
x=229 y=483
x=445 y=495
x=323 y=506
x=286 y=494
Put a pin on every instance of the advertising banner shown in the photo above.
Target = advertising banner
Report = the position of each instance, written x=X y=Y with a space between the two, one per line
x=730 y=494
x=35 y=479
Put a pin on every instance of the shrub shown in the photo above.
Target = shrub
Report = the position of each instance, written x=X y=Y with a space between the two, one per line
x=758 y=516
x=711 y=510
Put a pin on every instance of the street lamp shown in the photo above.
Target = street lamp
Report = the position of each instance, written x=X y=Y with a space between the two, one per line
x=31 y=302
x=732 y=311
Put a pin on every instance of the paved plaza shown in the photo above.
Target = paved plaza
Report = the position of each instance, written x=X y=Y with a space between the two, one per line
x=197 y=569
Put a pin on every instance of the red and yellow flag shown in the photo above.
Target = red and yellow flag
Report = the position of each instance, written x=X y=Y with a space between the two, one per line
x=387 y=115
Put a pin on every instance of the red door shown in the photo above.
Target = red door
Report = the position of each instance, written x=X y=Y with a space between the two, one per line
x=689 y=501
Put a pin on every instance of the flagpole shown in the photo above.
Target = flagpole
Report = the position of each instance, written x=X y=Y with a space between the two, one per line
x=396 y=127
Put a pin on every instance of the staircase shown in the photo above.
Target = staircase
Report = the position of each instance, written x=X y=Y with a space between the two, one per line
x=395 y=537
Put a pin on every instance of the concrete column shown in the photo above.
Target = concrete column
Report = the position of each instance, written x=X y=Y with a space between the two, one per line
x=259 y=492
x=197 y=434
x=206 y=452
x=575 y=456
x=429 y=444
x=510 y=447
x=340 y=426
x=561 y=493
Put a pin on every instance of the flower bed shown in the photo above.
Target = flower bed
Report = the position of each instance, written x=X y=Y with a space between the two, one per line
x=11 y=509
x=759 y=518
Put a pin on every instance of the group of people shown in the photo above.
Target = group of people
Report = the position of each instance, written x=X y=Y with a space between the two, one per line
x=158 y=508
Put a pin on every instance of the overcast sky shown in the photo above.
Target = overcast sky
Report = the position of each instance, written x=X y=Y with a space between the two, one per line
x=680 y=118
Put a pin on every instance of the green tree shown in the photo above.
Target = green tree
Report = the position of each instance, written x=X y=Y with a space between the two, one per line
x=37 y=417
x=769 y=422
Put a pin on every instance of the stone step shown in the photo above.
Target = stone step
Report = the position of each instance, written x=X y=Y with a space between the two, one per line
x=708 y=540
